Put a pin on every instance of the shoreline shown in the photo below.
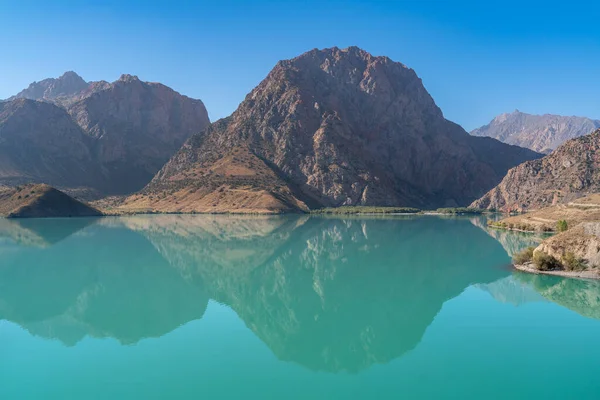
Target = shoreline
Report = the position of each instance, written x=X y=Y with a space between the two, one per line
x=586 y=274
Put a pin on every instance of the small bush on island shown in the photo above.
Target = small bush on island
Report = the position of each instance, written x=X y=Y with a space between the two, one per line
x=545 y=262
x=561 y=225
x=524 y=256
x=572 y=263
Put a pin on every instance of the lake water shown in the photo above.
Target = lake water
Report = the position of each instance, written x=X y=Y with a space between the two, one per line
x=290 y=307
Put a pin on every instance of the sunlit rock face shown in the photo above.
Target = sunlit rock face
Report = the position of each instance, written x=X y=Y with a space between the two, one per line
x=328 y=128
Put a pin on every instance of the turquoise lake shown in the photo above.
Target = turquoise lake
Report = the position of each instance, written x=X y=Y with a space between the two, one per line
x=291 y=307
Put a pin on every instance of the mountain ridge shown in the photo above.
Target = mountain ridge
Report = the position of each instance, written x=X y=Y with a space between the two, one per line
x=336 y=127
x=119 y=134
x=542 y=133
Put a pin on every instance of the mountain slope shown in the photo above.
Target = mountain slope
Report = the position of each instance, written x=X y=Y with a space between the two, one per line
x=542 y=133
x=137 y=126
x=112 y=138
x=39 y=142
x=336 y=127
x=570 y=172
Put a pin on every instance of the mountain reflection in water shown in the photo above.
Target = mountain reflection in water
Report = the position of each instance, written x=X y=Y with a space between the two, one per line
x=327 y=293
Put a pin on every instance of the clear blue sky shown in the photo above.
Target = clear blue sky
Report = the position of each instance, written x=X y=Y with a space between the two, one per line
x=476 y=59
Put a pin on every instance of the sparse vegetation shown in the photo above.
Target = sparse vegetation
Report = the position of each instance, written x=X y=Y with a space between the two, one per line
x=459 y=210
x=524 y=256
x=572 y=263
x=545 y=262
x=366 y=210
x=561 y=225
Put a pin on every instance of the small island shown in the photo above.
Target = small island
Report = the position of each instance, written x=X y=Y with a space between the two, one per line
x=41 y=201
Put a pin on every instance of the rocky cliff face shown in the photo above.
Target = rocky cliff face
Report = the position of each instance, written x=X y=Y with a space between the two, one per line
x=570 y=172
x=113 y=137
x=329 y=128
x=542 y=133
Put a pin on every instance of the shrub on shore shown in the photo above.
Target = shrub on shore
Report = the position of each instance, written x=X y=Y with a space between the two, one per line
x=545 y=262
x=572 y=263
x=561 y=225
x=524 y=256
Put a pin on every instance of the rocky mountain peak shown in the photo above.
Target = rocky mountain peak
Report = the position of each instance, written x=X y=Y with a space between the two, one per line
x=128 y=78
x=332 y=127
x=542 y=133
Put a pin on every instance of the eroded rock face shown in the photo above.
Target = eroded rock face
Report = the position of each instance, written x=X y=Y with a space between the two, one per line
x=583 y=241
x=542 y=133
x=110 y=137
x=570 y=172
x=343 y=127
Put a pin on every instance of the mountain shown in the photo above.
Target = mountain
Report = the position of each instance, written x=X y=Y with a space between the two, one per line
x=136 y=127
x=108 y=137
x=36 y=201
x=329 y=128
x=542 y=133
x=570 y=172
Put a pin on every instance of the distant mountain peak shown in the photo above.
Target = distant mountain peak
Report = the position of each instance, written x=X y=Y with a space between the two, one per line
x=128 y=78
x=70 y=75
x=542 y=133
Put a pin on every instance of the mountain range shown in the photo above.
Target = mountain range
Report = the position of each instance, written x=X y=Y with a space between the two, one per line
x=569 y=172
x=542 y=133
x=329 y=128
x=106 y=138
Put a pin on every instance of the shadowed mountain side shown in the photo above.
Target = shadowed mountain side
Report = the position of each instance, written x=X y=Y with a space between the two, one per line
x=579 y=295
x=333 y=294
x=101 y=282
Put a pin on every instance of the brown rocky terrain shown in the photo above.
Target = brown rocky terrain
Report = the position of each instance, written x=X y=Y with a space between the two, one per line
x=111 y=138
x=570 y=172
x=546 y=219
x=39 y=201
x=542 y=133
x=330 y=128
